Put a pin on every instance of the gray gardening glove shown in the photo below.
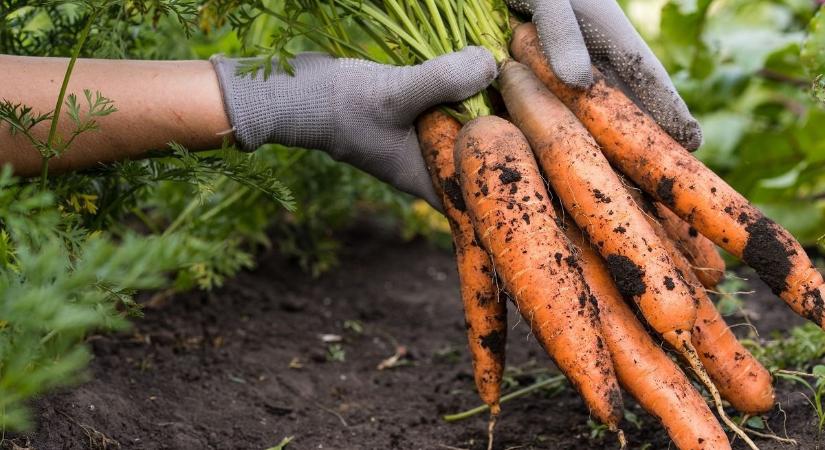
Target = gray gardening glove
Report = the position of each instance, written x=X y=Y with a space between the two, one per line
x=572 y=32
x=359 y=112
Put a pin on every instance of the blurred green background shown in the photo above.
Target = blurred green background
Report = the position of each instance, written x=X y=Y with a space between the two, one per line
x=746 y=69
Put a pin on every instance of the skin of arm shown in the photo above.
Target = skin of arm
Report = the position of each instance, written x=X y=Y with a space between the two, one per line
x=158 y=102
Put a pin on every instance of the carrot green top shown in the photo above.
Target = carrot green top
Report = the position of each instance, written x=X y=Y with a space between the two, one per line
x=414 y=31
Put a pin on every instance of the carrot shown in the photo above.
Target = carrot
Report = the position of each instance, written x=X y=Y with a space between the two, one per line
x=636 y=145
x=643 y=368
x=485 y=311
x=513 y=219
x=740 y=378
x=599 y=203
x=704 y=259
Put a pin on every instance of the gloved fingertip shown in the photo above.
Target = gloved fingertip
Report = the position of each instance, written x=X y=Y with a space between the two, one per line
x=485 y=58
x=479 y=63
x=690 y=135
x=570 y=64
x=576 y=75
x=455 y=76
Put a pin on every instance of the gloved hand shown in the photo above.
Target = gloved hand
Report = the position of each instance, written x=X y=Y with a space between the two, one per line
x=574 y=32
x=359 y=112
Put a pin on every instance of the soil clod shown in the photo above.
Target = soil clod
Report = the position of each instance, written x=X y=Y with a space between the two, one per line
x=767 y=254
x=628 y=275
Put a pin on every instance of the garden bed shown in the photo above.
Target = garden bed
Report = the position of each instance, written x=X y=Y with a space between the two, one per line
x=246 y=366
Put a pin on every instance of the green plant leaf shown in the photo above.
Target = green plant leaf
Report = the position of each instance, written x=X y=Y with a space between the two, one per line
x=283 y=444
x=813 y=49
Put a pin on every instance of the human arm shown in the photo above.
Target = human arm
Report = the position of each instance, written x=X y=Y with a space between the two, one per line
x=359 y=112
x=157 y=101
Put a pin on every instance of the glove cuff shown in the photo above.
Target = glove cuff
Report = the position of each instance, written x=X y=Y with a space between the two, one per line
x=282 y=109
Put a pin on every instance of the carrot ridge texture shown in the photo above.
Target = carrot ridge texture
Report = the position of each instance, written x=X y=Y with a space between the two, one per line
x=485 y=309
x=700 y=251
x=639 y=148
x=737 y=374
x=643 y=368
x=512 y=215
x=599 y=203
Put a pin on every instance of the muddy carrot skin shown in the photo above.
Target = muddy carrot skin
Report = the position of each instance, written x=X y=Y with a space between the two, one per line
x=599 y=203
x=643 y=368
x=513 y=219
x=640 y=149
x=485 y=310
x=700 y=251
x=740 y=378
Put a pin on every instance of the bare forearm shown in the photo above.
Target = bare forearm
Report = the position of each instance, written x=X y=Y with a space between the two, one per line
x=157 y=101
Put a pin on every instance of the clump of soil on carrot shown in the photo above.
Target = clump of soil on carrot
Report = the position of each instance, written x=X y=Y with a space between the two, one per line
x=628 y=276
x=814 y=303
x=767 y=254
x=452 y=188
x=245 y=366
x=495 y=341
x=508 y=175
x=600 y=197
x=664 y=190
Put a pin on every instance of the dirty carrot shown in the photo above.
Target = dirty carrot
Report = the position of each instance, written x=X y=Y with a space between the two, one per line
x=512 y=215
x=599 y=203
x=485 y=311
x=643 y=368
x=700 y=251
x=740 y=378
x=638 y=147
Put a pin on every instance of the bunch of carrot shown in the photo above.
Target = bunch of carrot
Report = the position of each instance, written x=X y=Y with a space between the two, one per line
x=634 y=225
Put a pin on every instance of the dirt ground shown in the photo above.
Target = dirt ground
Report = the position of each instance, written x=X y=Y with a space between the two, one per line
x=246 y=365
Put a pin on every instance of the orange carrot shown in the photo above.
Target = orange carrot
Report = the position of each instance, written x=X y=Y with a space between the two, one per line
x=741 y=379
x=485 y=311
x=636 y=145
x=704 y=259
x=600 y=205
x=643 y=368
x=513 y=219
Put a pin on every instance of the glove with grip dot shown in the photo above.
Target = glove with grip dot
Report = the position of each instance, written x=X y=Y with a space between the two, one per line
x=359 y=112
x=574 y=33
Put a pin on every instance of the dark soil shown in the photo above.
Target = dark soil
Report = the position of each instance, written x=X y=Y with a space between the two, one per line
x=665 y=191
x=766 y=253
x=245 y=366
x=628 y=276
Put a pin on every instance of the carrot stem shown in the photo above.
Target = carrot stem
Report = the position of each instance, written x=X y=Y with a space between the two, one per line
x=554 y=381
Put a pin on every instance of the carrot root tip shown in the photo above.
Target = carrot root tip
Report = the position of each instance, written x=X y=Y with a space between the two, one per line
x=491 y=425
x=622 y=440
x=698 y=369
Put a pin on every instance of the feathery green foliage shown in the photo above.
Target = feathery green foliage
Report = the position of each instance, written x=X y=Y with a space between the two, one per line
x=74 y=249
